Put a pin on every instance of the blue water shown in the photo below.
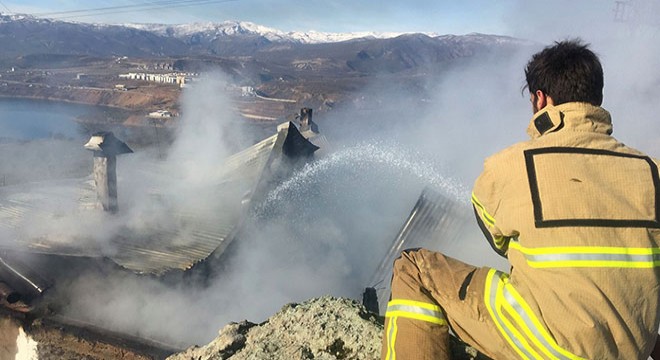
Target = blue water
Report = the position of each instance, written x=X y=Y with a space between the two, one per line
x=22 y=119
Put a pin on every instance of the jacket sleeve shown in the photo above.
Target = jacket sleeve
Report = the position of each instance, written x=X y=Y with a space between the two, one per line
x=486 y=201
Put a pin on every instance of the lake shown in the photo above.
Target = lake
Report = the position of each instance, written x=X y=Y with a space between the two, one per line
x=41 y=140
x=26 y=119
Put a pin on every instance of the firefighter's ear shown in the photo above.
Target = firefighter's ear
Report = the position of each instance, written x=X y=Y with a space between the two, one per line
x=540 y=100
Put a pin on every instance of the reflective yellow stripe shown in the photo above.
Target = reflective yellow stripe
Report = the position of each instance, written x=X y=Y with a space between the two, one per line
x=589 y=256
x=411 y=315
x=500 y=294
x=494 y=286
x=420 y=304
x=415 y=310
x=499 y=241
x=586 y=250
x=532 y=326
x=410 y=309
x=487 y=217
x=391 y=339
x=503 y=305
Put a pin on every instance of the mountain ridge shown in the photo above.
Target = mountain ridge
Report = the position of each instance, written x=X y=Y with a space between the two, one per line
x=234 y=27
x=22 y=34
x=317 y=73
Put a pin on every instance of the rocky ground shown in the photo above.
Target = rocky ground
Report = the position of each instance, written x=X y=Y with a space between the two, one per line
x=58 y=339
x=326 y=328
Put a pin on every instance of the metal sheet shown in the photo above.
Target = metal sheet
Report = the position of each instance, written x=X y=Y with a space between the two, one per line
x=434 y=218
x=195 y=234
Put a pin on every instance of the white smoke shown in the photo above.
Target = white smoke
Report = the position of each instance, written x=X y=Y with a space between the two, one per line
x=628 y=51
x=328 y=227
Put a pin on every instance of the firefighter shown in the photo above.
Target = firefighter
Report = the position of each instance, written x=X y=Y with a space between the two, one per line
x=574 y=211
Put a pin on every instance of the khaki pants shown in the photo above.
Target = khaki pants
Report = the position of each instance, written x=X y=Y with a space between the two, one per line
x=431 y=292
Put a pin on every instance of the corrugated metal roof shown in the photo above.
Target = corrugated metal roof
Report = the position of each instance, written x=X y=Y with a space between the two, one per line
x=195 y=234
x=199 y=232
x=21 y=204
x=434 y=218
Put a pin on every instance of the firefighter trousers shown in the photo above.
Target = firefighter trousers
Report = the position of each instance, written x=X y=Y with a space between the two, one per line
x=430 y=293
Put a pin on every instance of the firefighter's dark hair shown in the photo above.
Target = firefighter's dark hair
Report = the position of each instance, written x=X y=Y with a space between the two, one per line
x=566 y=71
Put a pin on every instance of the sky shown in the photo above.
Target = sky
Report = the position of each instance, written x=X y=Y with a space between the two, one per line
x=529 y=20
x=435 y=16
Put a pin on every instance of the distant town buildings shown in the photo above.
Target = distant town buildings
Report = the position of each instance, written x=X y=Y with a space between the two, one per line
x=124 y=87
x=163 y=66
x=160 y=114
x=247 y=91
x=180 y=79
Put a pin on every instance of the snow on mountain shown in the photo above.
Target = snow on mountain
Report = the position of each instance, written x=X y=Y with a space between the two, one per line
x=207 y=32
x=485 y=39
x=211 y=31
x=314 y=37
x=247 y=28
x=4 y=18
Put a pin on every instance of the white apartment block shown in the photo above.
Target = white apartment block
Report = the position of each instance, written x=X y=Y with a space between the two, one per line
x=171 y=78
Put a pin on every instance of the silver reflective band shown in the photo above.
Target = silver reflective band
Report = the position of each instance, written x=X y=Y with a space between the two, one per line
x=415 y=310
x=593 y=257
x=520 y=326
x=391 y=354
x=515 y=340
x=589 y=256
x=531 y=326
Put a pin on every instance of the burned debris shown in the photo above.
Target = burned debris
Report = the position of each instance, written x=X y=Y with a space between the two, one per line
x=434 y=218
x=197 y=238
x=243 y=180
x=19 y=284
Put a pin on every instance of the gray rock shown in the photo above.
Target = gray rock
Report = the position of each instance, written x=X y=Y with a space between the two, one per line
x=326 y=328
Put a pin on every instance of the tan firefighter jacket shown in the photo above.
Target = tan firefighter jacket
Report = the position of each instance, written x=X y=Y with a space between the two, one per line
x=576 y=213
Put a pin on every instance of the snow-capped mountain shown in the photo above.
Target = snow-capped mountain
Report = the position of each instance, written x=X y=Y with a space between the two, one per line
x=5 y=18
x=232 y=28
x=361 y=51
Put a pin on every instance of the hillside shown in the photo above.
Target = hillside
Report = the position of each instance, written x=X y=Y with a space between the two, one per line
x=23 y=35
x=47 y=59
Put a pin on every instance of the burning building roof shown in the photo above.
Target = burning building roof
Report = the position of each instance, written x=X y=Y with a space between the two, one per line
x=186 y=234
x=190 y=234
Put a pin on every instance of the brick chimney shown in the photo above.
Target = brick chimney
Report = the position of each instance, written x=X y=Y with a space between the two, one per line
x=305 y=121
x=106 y=147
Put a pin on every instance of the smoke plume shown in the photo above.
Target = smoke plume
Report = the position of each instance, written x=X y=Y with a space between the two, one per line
x=324 y=230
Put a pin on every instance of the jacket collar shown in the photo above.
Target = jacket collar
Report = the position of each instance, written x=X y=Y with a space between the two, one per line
x=576 y=116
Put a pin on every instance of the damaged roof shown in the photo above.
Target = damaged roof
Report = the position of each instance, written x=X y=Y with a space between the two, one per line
x=192 y=233
x=434 y=218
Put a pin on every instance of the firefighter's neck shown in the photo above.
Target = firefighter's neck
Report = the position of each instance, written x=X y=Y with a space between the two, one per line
x=540 y=100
